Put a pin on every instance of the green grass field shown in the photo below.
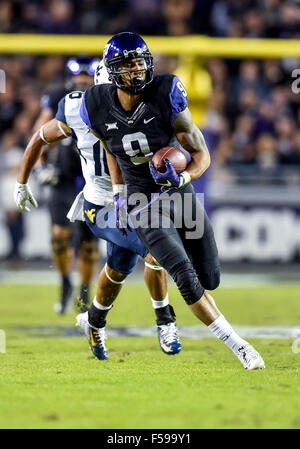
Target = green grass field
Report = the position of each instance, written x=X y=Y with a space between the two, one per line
x=55 y=382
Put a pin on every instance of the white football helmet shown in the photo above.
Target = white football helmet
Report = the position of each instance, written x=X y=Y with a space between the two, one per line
x=101 y=75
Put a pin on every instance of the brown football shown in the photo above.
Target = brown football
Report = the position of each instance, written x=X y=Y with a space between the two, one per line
x=175 y=156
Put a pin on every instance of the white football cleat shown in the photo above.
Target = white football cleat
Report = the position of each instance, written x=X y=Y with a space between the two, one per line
x=96 y=337
x=250 y=358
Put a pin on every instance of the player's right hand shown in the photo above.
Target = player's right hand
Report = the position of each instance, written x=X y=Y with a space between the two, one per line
x=169 y=178
x=121 y=214
x=22 y=194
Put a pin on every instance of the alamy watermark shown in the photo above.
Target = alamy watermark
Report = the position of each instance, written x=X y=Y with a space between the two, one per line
x=2 y=82
x=296 y=83
x=162 y=211
x=2 y=342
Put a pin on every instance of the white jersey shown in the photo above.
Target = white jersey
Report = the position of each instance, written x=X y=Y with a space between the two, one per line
x=98 y=187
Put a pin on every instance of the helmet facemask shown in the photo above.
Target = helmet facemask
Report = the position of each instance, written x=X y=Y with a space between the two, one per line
x=132 y=80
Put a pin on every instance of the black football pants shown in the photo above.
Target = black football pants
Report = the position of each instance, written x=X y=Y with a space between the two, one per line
x=178 y=233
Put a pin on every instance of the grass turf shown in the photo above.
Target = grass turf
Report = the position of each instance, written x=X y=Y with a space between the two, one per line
x=57 y=383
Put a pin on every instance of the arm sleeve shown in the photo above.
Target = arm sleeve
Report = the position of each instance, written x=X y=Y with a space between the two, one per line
x=60 y=114
x=178 y=98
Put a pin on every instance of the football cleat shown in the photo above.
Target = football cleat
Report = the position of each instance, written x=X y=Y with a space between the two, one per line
x=96 y=337
x=250 y=358
x=168 y=338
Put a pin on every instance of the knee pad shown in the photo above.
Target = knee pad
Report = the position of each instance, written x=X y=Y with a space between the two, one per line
x=187 y=281
x=60 y=245
x=211 y=280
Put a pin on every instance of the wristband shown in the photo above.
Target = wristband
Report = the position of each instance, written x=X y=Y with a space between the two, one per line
x=18 y=184
x=185 y=178
x=118 y=188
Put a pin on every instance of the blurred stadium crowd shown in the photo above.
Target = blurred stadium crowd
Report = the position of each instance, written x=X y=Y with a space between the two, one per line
x=252 y=114
x=232 y=18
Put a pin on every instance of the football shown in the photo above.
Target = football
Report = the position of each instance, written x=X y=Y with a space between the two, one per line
x=175 y=156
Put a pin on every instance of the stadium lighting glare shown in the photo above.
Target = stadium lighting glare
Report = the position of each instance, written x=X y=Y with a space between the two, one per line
x=93 y=65
x=74 y=67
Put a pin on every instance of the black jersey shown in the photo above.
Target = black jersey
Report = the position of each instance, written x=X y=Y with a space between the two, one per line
x=133 y=137
x=66 y=159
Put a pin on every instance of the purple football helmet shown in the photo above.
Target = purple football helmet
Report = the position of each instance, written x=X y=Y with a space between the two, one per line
x=121 y=48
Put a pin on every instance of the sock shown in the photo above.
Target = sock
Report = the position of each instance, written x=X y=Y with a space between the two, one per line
x=84 y=294
x=66 y=288
x=66 y=281
x=223 y=331
x=159 y=304
x=97 y=314
x=164 y=311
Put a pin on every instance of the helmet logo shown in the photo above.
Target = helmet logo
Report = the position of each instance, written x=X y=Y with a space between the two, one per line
x=106 y=48
x=126 y=53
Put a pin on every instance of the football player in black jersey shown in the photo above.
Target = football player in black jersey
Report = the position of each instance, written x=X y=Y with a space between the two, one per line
x=134 y=117
x=65 y=179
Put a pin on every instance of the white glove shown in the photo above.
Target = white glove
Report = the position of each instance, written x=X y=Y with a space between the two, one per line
x=22 y=193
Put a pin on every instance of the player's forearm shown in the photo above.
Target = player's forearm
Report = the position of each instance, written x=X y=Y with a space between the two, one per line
x=191 y=138
x=51 y=132
x=30 y=157
x=114 y=169
x=193 y=141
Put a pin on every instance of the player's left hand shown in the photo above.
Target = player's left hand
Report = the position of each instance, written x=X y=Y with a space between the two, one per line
x=22 y=194
x=169 y=178
x=121 y=210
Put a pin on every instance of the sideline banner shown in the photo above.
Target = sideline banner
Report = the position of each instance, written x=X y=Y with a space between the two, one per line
x=257 y=233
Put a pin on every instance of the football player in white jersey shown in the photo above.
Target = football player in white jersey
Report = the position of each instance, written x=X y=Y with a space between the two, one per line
x=61 y=171
x=95 y=205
